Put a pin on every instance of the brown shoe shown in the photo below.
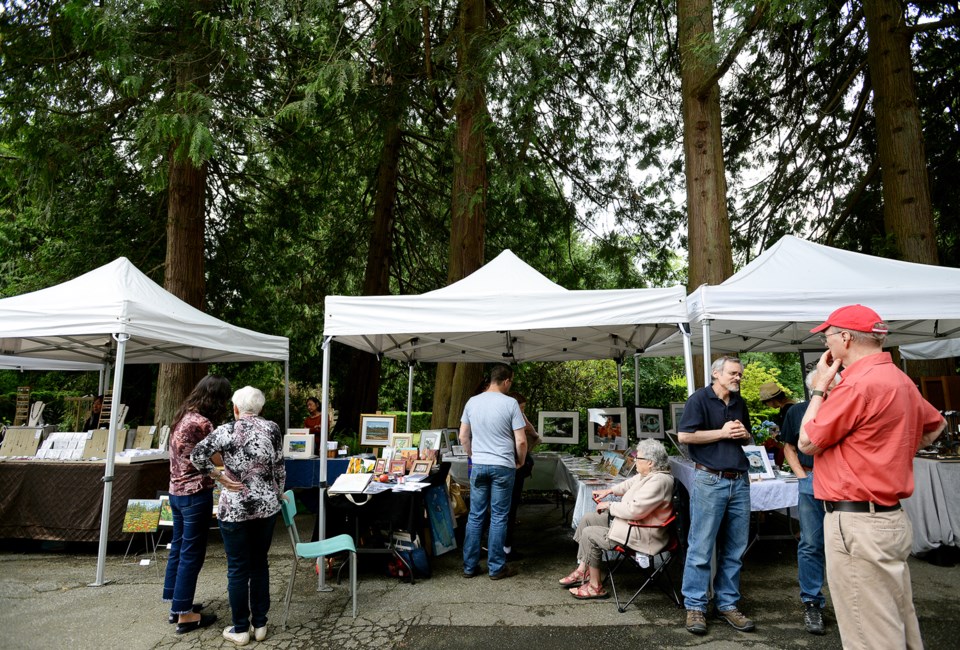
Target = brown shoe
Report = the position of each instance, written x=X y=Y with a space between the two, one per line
x=737 y=620
x=696 y=622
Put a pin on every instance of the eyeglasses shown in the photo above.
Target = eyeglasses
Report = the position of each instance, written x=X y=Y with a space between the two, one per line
x=823 y=337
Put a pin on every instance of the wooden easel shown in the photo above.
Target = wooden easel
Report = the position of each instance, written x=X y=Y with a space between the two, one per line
x=22 y=414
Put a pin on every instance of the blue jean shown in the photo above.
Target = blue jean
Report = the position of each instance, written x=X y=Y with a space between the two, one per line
x=810 y=554
x=246 y=544
x=191 y=524
x=491 y=488
x=719 y=519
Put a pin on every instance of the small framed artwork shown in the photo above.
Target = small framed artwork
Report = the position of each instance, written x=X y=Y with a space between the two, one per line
x=449 y=438
x=381 y=466
x=430 y=439
x=649 y=423
x=606 y=428
x=809 y=359
x=166 y=512
x=401 y=440
x=559 y=427
x=297 y=445
x=676 y=414
x=759 y=462
x=398 y=467
x=421 y=467
x=375 y=430
x=142 y=516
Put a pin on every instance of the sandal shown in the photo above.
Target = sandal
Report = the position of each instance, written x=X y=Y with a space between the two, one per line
x=578 y=577
x=587 y=591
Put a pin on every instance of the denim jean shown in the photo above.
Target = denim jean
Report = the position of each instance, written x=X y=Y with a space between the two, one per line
x=246 y=544
x=191 y=524
x=719 y=519
x=491 y=488
x=810 y=554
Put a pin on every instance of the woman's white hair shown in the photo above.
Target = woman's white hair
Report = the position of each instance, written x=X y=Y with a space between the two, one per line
x=654 y=451
x=249 y=400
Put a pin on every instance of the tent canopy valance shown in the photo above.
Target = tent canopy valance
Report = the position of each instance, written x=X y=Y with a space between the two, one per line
x=772 y=303
x=506 y=311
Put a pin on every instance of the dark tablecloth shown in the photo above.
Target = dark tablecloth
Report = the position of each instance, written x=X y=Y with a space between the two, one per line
x=63 y=501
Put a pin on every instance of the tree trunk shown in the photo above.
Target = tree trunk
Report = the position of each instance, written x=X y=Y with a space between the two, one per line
x=907 y=214
x=183 y=275
x=469 y=199
x=363 y=377
x=708 y=227
x=710 y=256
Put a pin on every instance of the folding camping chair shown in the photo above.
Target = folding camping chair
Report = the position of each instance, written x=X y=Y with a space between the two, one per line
x=657 y=569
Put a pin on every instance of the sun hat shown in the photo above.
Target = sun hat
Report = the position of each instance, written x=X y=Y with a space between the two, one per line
x=854 y=317
x=769 y=390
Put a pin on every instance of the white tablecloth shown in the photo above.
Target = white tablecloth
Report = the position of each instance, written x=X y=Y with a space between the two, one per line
x=770 y=494
x=568 y=478
x=934 y=508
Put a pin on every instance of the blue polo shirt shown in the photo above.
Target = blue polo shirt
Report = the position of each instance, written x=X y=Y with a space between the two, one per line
x=704 y=411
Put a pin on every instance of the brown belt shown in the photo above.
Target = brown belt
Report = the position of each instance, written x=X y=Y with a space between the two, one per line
x=857 y=506
x=806 y=469
x=720 y=473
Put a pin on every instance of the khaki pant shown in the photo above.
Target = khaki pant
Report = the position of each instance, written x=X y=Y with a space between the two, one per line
x=592 y=536
x=870 y=580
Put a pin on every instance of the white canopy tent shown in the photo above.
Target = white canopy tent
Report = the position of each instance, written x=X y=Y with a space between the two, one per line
x=116 y=314
x=942 y=349
x=29 y=363
x=505 y=311
x=772 y=303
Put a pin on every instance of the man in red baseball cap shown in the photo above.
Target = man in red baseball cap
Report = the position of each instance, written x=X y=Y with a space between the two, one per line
x=865 y=438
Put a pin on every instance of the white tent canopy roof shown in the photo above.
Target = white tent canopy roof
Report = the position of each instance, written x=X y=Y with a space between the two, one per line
x=29 y=363
x=506 y=311
x=942 y=349
x=75 y=321
x=772 y=303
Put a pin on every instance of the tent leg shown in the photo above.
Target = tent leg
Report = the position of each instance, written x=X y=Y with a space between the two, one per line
x=286 y=394
x=109 y=466
x=687 y=357
x=324 y=435
x=707 y=379
x=409 y=395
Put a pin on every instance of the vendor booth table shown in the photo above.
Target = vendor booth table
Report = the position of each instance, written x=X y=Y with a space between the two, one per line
x=934 y=508
x=63 y=500
x=542 y=479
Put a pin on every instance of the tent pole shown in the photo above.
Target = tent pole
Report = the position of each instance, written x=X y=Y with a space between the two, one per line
x=111 y=451
x=324 y=435
x=409 y=394
x=687 y=357
x=620 y=379
x=636 y=379
x=286 y=394
x=707 y=379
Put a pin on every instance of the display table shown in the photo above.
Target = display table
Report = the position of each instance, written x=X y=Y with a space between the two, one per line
x=769 y=494
x=63 y=500
x=567 y=478
x=544 y=469
x=934 y=508
x=305 y=472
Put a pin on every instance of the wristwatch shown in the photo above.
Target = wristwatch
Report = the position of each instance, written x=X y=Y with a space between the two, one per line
x=816 y=393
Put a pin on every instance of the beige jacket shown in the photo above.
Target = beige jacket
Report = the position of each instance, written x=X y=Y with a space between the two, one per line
x=647 y=499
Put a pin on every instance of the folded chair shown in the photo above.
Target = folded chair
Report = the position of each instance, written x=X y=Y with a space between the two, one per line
x=313 y=551
x=658 y=565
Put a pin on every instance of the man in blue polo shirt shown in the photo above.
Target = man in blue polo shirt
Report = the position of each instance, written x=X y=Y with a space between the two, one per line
x=715 y=427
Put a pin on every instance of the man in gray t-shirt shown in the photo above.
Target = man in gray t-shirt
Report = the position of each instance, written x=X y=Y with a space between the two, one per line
x=492 y=432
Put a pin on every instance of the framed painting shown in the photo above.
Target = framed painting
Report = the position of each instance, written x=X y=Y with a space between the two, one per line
x=809 y=359
x=398 y=467
x=142 y=516
x=381 y=466
x=166 y=512
x=649 y=423
x=297 y=445
x=375 y=430
x=401 y=440
x=430 y=439
x=559 y=427
x=607 y=428
x=449 y=438
x=759 y=462
x=421 y=467
x=676 y=414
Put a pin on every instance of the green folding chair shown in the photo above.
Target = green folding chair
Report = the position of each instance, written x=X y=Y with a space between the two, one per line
x=313 y=551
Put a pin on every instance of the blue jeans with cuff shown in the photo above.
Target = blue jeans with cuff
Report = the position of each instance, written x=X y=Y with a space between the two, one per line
x=719 y=519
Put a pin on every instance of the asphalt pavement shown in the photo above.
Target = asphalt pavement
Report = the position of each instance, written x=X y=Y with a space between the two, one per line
x=45 y=601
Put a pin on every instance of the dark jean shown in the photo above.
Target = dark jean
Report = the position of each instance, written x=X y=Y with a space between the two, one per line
x=810 y=554
x=191 y=524
x=491 y=488
x=246 y=544
x=719 y=519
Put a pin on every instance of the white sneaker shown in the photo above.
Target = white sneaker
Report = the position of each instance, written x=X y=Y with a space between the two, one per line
x=260 y=633
x=240 y=638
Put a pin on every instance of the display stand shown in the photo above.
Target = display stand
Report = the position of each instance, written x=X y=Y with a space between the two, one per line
x=22 y=413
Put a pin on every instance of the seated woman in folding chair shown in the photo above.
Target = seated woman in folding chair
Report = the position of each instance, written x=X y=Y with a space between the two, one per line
x=646 y=500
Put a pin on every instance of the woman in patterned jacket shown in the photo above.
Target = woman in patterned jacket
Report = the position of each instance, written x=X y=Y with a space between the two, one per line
x=252 y=478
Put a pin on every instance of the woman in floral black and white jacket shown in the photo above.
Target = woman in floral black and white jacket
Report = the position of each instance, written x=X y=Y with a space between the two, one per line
x=252 y=478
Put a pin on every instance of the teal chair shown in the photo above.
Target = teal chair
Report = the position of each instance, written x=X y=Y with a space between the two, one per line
x=313 y=551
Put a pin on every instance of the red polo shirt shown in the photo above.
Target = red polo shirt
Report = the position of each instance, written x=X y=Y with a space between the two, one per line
x=870 y=429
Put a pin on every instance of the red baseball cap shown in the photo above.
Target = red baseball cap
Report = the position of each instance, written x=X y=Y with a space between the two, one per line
x=854 y=317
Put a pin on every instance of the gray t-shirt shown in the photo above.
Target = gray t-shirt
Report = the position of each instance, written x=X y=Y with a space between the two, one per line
x=493 y=417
